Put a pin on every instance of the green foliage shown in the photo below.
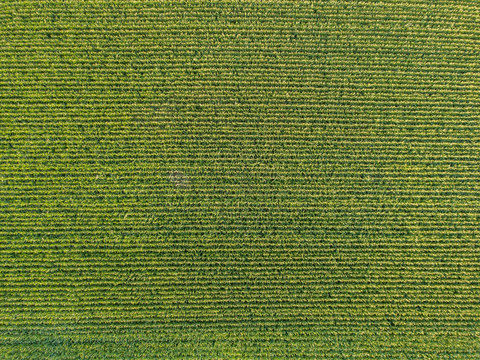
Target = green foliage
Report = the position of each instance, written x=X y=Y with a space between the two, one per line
x=239 y=179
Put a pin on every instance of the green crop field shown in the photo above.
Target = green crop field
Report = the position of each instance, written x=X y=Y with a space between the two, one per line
x=240 y=179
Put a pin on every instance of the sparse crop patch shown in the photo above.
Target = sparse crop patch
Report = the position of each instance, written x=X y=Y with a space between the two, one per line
x=179 y=179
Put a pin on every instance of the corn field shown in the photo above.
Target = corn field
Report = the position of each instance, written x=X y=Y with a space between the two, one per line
x=240 y=179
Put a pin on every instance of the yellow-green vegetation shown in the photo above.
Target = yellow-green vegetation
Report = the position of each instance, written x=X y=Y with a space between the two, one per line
x=240 y=179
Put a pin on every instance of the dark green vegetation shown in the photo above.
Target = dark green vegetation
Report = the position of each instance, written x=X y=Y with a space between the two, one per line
x=239 y=180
